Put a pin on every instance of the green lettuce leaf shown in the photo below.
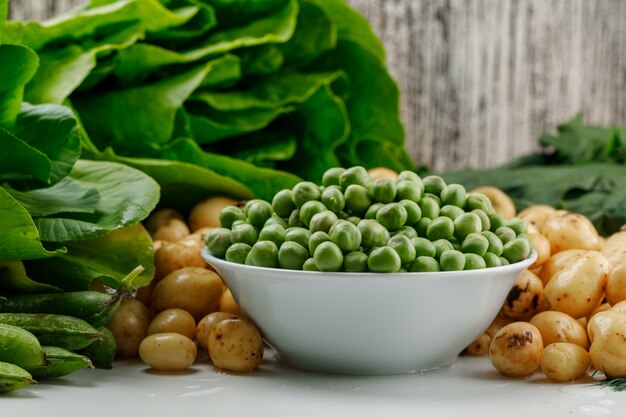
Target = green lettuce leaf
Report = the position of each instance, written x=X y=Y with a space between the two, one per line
x=17 y=66
x=19 y=161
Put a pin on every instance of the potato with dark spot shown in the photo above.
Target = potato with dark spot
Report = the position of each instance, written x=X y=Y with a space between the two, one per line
x=516 y=349
x=235 y=345
x=525 y=298
x=480 y=346
x=555 y=327
x=206 y=324
x=556 y=262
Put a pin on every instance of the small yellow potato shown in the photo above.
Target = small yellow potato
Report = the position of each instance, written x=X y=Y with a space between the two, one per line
x=160 y=217
x=500 y=200
x=556 y=261
x=173 y=320
x=144 y=294
x=577 y=288
x=207 y=212
x=480 y=346
x=536 y=215
x=555 y=327
x=196 y=290
x=499 y=322
x=206 y=324
x=619 y=307
x=542 y=246
x=196 y=238
x=615 y=246
x=235 y=345
x=583 y=321
x=168 y=352
x=566 y=230
x=607 y=331
x=382 y=172
x=615 y=252
x=229 y=305
x=525 y=297
x=516 y=349
x=562 y=362
x=129 y=327
x=173 y=256
x=600 y=308
x=172 y=231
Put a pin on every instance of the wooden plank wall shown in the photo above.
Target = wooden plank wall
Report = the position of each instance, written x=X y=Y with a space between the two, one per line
x=481 y=79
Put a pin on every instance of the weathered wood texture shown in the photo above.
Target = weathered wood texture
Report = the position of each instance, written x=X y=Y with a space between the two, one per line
x=481 y=79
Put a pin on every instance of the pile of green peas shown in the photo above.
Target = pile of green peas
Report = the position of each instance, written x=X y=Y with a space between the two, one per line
x=352 y=223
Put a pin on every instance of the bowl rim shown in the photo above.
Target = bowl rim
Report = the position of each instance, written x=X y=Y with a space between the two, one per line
x=521 y=265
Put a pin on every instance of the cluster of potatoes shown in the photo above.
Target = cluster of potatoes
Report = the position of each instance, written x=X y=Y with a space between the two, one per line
x=567 y=312
x=187 y=304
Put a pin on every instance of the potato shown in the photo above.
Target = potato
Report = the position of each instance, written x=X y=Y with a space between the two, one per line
x=562 y=362
x=206 y=324
x=566 y=230
x=160 y=217
x=172 y=231
x=525 y=297
x=235 y=345
x=173 y=320
x=536 y=215
x=577 y=288
x=555 y=327
x=601 y=307
x=542 y=246
x=144 y=294
x=129 y=327
x=499 y=322
x=615 y=252
x=229 y=305
x=500 y=201
x=555 y=262
x=607 y=331
x=207 y=212
x=173 y=256
x=480 y=346
x=516 y=349
x=615 y=247
x=196 y=290
x=168 y=352
x=382 y=172
x=619 y=307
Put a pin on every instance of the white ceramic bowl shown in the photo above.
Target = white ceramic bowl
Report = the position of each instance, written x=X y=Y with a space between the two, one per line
x=368 y=323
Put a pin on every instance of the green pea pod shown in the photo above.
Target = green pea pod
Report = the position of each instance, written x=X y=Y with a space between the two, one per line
x=54 y=330
x=20 y=347
x=101 y=352
x=60 y=362
x=12 y=378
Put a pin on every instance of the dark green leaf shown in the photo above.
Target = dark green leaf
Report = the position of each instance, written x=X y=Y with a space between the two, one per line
x=20 y=161
x=13 y=279
x=17 y=66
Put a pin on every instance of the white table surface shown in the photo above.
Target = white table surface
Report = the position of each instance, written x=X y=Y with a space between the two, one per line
x=470 y=387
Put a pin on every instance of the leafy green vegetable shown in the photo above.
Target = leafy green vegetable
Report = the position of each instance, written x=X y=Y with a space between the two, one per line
x=20 y=161
x=13 y=279
x=18 y=65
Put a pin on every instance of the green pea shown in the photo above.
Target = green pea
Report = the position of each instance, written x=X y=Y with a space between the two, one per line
x=372 y=210
x=238 y=222
x=331 y=176
x=452 y=260
x=484 y=219
x=322 y=221
x=440 y=228
x=429 y=207
x=238 y=252
x=275 y=219
x=504 y=261
x=342 y=215
x=465 y=224
x=316 y=239
x=384 y=190
x=433 y=184
x=441 y=246
x=217 y=241
x=506 y=234
x=328 y=257
x=356 y=175
x=294 y=219
x=283 y=204
x=346 y=235
x=474 y=261
x=478 y=201
x=450 y=211
x=423 y=247
x=244 y=233
x=408 y=190
x=292 y=255
x=434 y=197
x=358 y=198
x=475 y=243
x=413 y=211
x=259 y=212
x=230 y=214
x=495 y=244
x=422 y=226
x=249 y=259
x=425 y=264
x=355 y=262
x=300 y=235
x=264 y=253
x=454 y=194
x=250 y=203
x=333 y=198
x=310 y=209
x=492 y=260
x=309 y=265
x=373 y=234
x=305 y=191
x=519 y=226
x=496 y=220
x=404 y=247
x=407 y=231
x=392 y=216
x=384 y=259
x=409 y=176
x=516 y=250
x=273 y=232
x=354 y=220
x=455 y=243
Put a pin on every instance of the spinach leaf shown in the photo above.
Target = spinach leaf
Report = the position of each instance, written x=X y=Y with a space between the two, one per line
x=13 y=279
x=20 y=161
x=17 y=66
